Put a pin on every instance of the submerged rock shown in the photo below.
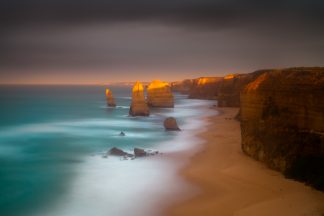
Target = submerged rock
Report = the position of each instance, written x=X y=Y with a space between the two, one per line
x=110 y=99
x=118 y=152
x=159 y=94
x=138 y=106
x=170 y=123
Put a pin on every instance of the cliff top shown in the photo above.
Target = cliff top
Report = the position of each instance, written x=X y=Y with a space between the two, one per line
x=299 y=79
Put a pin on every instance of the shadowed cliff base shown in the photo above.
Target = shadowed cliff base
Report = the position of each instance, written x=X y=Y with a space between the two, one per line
x=282 y=122
x=232 y=183
x=281 y=114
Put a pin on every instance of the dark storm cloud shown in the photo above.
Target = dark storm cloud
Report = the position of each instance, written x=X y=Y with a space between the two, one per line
x=211 y=13
x=168 y=35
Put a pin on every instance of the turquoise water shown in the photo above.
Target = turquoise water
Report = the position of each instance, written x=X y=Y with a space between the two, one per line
x=47 y=131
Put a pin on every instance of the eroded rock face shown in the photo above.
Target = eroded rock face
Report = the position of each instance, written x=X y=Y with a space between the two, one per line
x=159 y=94
x=205 y=88
x=138 y=106
x=170 y=123
x=230 y=87
x=282 y=122
x=110 y=98
x=183 y=87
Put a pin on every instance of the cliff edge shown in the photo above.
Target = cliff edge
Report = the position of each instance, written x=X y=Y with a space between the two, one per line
x=282 y=122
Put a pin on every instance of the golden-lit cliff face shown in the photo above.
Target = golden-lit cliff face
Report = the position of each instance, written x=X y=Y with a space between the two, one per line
x=205 y=88
x=229 y=89
x=282 y=122
x=138 y=105
x=159 y=94
x=110 y=99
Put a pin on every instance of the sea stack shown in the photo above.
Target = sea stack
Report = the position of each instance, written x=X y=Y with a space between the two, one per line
x=170 y=123
x=159 y=94
x=138 y=106
x=110 y=98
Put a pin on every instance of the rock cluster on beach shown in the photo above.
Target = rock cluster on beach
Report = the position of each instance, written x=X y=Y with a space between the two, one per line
x=138 y=105
x=159 y=94
x=110 y=98
x=138 y=152
x=282 y=122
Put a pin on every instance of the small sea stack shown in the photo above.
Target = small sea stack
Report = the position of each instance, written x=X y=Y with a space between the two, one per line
x=110 y=98
x=138 y=106
x=159 y=94
x=170 y=123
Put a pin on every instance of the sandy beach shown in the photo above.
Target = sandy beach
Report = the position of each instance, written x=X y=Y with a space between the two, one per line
x=231 y=183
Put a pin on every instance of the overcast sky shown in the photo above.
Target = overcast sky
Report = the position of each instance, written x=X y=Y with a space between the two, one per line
x=96 y=41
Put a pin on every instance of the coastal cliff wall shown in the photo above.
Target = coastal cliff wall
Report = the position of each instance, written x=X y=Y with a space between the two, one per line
x=282 y=122
x=183 y=87
x=159 y=94
x=205 y=88
x=230 y=87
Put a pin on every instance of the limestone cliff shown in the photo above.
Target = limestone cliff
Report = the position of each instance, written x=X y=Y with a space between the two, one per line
x=228 y=93
x=110 y=98
x=282 y=122
x=159 y=94
x=205 y=88
x=183 y=87
x=138 y=105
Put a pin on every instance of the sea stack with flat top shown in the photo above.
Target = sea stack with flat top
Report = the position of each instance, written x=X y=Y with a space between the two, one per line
x=110 y=98
x=138 y=106
x=159 y=95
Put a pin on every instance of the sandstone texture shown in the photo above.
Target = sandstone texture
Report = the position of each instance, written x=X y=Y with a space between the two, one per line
x=228 y=91
x=138 y=105
x=205 y=88
x=170 y=123
x=282 y=122
x=159 y=94
x=110 y=98
x=182 y=87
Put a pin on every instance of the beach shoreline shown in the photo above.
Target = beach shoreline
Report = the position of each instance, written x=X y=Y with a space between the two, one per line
x=227 y=182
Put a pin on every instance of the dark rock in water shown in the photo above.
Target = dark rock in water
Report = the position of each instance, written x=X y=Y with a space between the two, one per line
x=118 y=152
x=170 y=123
x=138 y=152
x=122 y=134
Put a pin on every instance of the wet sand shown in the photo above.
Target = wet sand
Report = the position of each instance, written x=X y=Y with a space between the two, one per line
x=232 y=183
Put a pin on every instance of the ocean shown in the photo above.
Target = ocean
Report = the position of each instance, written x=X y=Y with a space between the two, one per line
x=52 y=139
